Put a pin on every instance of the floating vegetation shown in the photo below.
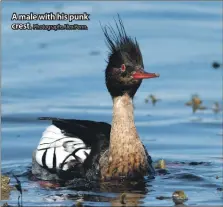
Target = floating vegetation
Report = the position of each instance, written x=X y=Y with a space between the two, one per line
x=5 y=187
x=160 y=165
x=179 y=197
x=152 y=98
x=194 y=100
x=216 y=108
x=195 y=103
x=78 y=204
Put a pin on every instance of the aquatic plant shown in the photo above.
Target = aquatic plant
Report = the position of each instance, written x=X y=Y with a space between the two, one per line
x=5 y=187
x=179 y=197
x=216 y=108
x=161 y=164
x=78 y=204
x=152 y=98
x=195 y=103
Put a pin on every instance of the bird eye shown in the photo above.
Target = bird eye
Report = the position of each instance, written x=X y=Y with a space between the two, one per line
x=123 y=67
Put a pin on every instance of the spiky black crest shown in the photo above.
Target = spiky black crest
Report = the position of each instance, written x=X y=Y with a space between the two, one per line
x=120 y=44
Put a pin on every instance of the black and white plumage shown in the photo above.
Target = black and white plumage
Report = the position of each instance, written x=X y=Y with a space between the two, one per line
x=72 y=148
x=70 y=145
x=56 y=150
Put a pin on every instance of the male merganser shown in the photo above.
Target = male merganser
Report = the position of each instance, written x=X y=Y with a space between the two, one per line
x=72 y=148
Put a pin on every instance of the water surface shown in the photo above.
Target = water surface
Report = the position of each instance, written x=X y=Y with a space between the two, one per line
x=54 y=74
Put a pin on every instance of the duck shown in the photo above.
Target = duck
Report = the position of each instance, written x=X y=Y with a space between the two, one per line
x=72 y=148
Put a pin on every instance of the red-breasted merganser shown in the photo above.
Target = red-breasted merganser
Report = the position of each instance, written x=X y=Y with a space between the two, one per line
x=96 y=150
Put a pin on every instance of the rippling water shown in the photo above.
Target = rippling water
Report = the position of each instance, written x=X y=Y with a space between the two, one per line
x=55 y=74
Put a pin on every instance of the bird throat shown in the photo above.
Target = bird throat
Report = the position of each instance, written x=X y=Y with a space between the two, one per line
x=126 y=155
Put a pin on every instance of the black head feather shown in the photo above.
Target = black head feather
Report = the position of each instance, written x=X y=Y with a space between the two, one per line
x=120 y=44
x=122 y=50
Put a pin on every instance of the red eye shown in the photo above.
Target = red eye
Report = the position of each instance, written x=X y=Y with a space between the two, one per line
x=123 y=67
